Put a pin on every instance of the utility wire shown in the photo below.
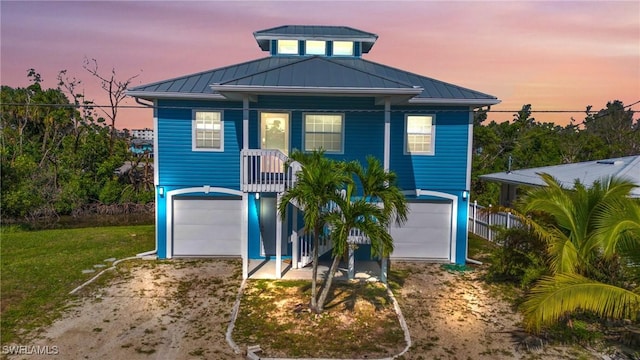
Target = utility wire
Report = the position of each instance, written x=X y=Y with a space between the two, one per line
x=92 y=106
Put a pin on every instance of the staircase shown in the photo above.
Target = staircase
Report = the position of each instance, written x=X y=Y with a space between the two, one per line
x=272 y=171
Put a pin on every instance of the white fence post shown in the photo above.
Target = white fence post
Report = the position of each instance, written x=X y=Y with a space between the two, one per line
x=489 y=230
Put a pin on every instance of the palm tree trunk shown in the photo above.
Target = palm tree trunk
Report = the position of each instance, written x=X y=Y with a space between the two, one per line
x=314 y=276
x=327 y=283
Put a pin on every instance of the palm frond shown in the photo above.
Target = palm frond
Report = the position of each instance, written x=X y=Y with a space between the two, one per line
x=554 y=297
x=618 y=225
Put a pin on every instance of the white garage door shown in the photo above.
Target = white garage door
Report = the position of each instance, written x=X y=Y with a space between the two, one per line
x=426 y=234
x=206 y=227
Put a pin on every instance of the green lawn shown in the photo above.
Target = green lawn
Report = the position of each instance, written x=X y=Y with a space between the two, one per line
x=40 y=268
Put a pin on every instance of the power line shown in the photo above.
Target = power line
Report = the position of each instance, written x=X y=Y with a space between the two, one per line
x=92 y=106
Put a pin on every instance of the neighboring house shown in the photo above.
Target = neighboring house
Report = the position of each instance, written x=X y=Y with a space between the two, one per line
x=223 y=136
x=144 y=134
x=141 y=147
x=587 y=172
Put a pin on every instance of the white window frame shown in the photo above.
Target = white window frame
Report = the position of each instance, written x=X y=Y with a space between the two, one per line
x=304 y=133
x=353 y=48
x=317 y=44
x=286 y=43
x=432 y=149
x=194 y=131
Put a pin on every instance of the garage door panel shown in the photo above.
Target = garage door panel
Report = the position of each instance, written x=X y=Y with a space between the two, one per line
x=426 y=234
x=206 y=227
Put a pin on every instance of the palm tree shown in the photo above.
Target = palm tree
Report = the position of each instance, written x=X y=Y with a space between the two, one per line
x=590 y=227
x=359 y=214
x=379 y=185
x=318 y=184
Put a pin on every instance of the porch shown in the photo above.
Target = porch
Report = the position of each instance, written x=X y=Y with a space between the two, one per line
x=266 y=170
x=266 y=269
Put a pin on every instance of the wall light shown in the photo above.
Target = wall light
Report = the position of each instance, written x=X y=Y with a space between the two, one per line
x=257 y=196
x=465 y=195
x=161 y=191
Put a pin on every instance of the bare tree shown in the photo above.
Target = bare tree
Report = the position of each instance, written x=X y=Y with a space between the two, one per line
x=115 y=89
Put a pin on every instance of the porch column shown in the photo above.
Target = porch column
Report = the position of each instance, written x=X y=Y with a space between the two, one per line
x=244 y=236
x=278 y=241
x=294 y=237
x=384 y=264
x=245 y=122
x=387 y=132
x=352 y=263
x=387 y=155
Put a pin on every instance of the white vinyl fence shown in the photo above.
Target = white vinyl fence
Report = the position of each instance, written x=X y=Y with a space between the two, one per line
x=483 y=222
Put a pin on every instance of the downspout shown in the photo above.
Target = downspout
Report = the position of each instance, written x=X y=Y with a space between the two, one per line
x=468 y=196
x=155 y=155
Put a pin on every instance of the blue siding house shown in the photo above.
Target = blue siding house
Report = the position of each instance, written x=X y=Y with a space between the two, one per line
x=223 y=137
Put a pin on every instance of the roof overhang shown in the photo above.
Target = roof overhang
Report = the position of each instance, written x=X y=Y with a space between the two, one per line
x=395 y=95
x=151 y=95
x=454 y=102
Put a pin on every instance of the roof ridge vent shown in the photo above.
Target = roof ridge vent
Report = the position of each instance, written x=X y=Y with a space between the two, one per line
x=610 y=162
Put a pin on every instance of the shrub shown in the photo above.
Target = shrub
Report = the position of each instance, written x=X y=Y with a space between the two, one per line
x=520 y=258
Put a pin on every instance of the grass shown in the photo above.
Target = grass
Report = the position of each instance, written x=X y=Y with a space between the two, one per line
x=40 y=268
x=360 y=317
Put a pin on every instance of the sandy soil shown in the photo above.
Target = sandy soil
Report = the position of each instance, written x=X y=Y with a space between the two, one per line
x=181 y=309
x=177 y=310
x=455 y=315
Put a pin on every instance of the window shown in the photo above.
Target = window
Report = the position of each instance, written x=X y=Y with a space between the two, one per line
x=315 y=47
x=343 y=48
x=207 y=131
x=288 y=47
x=323 y=131
x=420 y=131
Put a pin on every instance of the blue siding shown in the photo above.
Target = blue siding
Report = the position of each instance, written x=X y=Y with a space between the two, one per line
x=446 y=170
x=179 y=164
x=364 y=122
x=161 y=225
x=253 y=227
x=462 y=234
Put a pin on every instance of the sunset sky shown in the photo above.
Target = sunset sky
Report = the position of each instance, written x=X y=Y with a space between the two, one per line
x=555 y=55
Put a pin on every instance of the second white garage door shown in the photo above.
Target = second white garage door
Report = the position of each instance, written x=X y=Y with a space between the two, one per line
x=204 y=227
x=426 y=234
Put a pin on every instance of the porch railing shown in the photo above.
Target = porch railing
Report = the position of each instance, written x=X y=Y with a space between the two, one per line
x=484 y=222
x=266 y=171
x=306 y=247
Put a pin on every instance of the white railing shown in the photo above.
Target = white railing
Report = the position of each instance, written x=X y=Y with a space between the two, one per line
x=306 y=247
x=484 y=222
x=266 y=171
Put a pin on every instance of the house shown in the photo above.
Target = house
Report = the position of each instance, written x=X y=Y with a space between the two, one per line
x=144 y=134
x=223 y=136
x=141 y=146
x=587 y=172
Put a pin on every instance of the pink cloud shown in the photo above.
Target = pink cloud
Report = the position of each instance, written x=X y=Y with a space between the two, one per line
x=554 y=55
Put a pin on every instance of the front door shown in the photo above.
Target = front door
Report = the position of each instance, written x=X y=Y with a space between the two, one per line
x=274 y=135
x=274 y=131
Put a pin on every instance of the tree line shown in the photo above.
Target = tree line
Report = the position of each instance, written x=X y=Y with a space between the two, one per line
x=525 y=142
x=58 y=155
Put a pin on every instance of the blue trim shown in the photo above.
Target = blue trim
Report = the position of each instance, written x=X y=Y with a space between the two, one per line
x=254 y=227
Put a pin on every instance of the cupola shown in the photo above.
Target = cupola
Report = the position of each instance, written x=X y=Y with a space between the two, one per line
x=315 y=40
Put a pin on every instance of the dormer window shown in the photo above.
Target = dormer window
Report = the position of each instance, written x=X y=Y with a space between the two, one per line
x=343 y=48
x=315 y=47
x=288 y=47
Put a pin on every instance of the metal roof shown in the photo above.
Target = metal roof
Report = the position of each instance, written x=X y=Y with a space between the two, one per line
x=308 y=75
x=315 y=32
x=586 y=172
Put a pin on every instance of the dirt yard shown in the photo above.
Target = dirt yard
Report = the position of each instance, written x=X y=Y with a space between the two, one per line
x=181 y=309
